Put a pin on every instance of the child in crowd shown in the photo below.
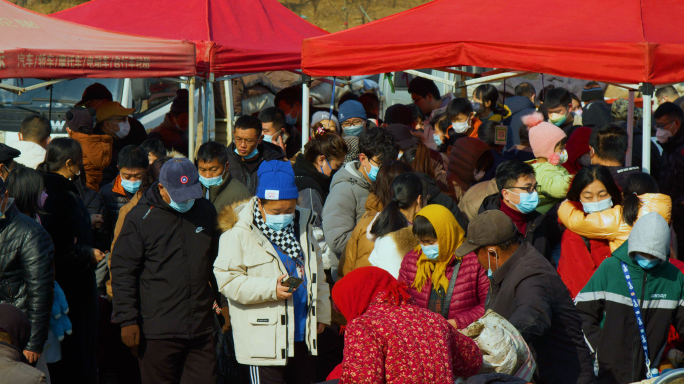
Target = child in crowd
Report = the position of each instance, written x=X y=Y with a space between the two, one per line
x=548 y=145
x=486 y=104
x=462 y=117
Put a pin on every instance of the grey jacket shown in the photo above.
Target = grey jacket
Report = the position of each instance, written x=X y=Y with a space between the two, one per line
x=14 y=370
x=345 y=205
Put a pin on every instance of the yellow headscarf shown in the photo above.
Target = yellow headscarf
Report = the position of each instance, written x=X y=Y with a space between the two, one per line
x=450 y=236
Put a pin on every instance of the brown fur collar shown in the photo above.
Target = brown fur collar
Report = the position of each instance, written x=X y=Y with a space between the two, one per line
x=405 y=240
x=228 y=217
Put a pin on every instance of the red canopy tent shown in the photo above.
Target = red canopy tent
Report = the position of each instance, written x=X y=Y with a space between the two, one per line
x=232 y=37
x=619 y=41
x=37 y=46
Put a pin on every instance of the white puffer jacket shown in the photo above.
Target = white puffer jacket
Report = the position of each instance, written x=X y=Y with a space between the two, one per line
x=247 y=269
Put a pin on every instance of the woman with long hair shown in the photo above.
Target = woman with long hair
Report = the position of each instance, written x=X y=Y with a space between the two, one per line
x=592 y=190
x=67 y=220
x=391 y=230
x=640 y=197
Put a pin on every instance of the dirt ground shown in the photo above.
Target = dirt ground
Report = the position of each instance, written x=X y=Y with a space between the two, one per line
x=331 y=15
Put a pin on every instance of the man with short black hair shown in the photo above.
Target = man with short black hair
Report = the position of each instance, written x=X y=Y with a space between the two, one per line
x=371 y=104
x=34 y=137
x=608 y=147
x=248 y=150
x=596 y=112
x=666 y=94
x=526 y=90
x=289 y=100
x=518 y=199
x=351 y=185
x=132 y=165
x=276 y=132
x=669 y=133
x=426 y=96
x=218 y=186
x=155 y=149
x=528 y=292
x=162 y=280
x=558 y=103
x=173 y=131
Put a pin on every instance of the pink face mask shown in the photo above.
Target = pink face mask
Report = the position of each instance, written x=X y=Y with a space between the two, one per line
x=43 y=198
x=663 y=135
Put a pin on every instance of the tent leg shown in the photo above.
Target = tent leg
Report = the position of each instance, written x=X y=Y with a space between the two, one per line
x=647 y=90
x=306 y=80
x=230 y=109
x=630 y=129
x=192 y=124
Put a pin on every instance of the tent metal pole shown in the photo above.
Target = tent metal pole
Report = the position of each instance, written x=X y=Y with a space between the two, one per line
x=306 y=82
x=647 y=90
x=192 y=124
x=20 y=90
x=630 y=129
x=230 y=109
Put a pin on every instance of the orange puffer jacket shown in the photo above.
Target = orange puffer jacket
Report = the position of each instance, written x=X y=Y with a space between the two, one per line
x=608 y=224
x=97 y=154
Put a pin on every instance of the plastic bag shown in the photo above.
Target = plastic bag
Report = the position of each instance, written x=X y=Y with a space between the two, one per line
x=503 y=348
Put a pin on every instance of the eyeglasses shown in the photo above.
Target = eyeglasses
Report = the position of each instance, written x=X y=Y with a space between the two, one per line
x=239 y=140
x=415 y=101
x=352 y=122
x=531 y=189
x=662 y=126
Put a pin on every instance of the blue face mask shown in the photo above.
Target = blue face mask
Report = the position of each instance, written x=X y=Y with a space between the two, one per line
x=645 y=262
x=182 y=207
x=211 y=181
x=438 y=139
x=278 y=222
x=251 y=155
x=291 y=120
x=354 y=130
x=268 y=138
x=597 y=206
x=373 y=174
x=131 y=186
x=430 y=251
x=528 y=201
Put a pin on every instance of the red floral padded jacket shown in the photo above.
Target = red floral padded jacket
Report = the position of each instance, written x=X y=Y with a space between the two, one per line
x=406 y=344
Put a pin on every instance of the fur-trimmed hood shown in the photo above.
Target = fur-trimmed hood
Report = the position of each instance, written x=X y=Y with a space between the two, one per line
x=230 y=215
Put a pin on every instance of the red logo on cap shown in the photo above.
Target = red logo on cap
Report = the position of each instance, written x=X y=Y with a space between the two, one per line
x=184 y=179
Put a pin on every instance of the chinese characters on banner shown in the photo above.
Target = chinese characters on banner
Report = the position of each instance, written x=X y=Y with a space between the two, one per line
x=28 y=60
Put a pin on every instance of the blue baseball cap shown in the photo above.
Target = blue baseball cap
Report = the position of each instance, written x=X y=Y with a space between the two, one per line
x=181 y=180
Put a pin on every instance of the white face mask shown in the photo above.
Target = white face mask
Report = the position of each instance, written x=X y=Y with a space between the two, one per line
x=478 y=175
x=460 y=127
x=124 y=129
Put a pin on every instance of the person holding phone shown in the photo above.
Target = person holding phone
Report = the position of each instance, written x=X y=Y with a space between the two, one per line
x=269 y=267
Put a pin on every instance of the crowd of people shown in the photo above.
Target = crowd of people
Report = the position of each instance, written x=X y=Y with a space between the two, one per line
x=358 y=258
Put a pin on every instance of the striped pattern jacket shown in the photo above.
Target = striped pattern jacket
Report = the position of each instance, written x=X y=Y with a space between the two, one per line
x=608 y=318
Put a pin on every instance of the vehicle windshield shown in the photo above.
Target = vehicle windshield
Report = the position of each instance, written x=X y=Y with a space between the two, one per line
x=64 y=94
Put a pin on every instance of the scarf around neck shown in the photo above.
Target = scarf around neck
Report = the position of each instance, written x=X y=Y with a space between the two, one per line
x=284 y=239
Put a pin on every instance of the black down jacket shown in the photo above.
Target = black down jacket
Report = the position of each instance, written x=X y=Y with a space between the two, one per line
x=162 y=268
x=27 y=272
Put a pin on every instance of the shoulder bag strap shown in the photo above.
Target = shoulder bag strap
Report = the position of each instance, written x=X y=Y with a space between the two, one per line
x=640 y=322
x=450 y=291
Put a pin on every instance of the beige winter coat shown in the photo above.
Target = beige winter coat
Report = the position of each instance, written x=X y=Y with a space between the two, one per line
x=247 y=269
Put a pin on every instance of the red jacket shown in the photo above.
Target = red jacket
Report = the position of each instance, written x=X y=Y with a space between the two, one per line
x=406 y=344
x=576 y=264
x=470 y=291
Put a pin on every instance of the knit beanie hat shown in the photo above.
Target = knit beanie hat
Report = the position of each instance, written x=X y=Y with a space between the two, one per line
x=450 y=236
x=650 y=235
x=320 y=116
x=181 y=102
x=351 y=109
x=276 y=181
x=543 y=135
x=15 y=322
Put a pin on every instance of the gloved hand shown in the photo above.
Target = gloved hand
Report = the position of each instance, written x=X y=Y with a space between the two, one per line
x=59 y=322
